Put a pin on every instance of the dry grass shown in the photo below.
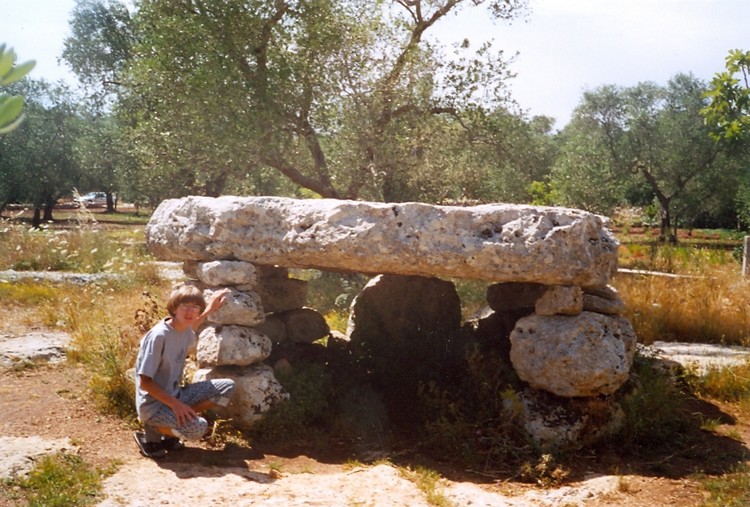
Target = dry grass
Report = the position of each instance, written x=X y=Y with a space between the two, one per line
x=709 y=303
x=106 y=318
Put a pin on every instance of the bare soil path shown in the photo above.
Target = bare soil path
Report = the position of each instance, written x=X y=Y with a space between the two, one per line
x=50 y=403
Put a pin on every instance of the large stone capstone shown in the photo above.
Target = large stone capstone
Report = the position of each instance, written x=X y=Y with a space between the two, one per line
x=494 y=242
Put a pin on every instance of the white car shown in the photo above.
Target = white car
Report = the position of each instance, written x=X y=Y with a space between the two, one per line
x=93 y=200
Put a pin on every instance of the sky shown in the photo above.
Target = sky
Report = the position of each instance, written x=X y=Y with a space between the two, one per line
x=564 y=47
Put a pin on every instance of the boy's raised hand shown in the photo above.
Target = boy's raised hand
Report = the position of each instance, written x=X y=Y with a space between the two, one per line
x=217 y=300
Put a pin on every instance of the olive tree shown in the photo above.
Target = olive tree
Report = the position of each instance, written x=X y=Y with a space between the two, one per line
x=652 y=136
x=321 y=97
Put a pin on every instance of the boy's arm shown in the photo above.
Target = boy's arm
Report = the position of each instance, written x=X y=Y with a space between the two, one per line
x=215 y=302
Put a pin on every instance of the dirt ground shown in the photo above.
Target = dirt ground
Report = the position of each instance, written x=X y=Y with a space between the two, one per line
x=51 y=401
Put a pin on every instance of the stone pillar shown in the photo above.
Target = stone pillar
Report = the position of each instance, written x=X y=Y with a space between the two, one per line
x=230 y=346
x=745 y=254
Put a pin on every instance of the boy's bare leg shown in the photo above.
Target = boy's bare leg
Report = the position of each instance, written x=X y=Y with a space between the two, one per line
x=164 y=430
x=204 y=405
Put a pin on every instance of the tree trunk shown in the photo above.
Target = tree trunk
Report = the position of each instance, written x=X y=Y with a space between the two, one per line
x=48 y=207
x=665 y=222
x=111 y=202
x=36 y=220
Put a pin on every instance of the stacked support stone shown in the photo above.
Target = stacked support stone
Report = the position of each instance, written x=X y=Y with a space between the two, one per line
x=230 y=346
x=575 y=350
x=549 y=268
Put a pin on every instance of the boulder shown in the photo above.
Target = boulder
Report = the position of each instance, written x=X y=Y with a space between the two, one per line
x=221 y=272
x=231 y=345
x=604 y=300
x=563 y=424
x=241 y=308
x=280 y=294
x=273 y=327
x=405 y=330
x=589 y=354
x=495 y=242
x=491 y=331
x=256 y=391
x=305 y=325
x=560 y=300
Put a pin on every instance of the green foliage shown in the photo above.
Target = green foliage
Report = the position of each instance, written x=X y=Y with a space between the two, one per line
x=11 y=106
x=729 y=490
x=100 y=44
x=728 y=383
x=582 y=175
x=236 y=102
x=655 y=407
x=61 y=480
x=299 y=418
x=39 y=163
x=728 y=112
x=476 y=419
x=623 y=140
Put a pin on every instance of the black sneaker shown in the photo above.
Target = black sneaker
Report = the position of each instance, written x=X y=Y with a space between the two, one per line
x=153 y=450
x=172 y=444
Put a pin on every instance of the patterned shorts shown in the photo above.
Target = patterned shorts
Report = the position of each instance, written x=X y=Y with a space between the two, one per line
x=216 y=390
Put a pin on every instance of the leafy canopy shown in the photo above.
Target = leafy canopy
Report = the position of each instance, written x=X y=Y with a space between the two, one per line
x=728 y=112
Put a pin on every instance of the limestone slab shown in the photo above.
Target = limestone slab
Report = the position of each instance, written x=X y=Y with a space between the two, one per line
x=494 y=242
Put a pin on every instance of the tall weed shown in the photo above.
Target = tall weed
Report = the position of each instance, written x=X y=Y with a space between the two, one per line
x=84 y=249
x=654 y=406
x=106 y=328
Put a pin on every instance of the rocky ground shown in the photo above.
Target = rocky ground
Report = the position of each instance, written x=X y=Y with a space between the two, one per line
x=47 y=409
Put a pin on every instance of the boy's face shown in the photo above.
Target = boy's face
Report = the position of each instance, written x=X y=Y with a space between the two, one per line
x=186 y=314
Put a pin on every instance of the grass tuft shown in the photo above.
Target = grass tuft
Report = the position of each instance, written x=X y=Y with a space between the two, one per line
x=429 y=483
x=61 y=479
x=729 y=490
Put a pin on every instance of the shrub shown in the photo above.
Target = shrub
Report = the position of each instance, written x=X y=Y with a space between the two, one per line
x=655 y=407
x=305 y=412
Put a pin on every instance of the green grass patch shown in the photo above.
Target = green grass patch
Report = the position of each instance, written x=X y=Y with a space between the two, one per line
x=728 y=383
x=62 y=479
x=654 y=406
x=28 y=293
x=728 y=490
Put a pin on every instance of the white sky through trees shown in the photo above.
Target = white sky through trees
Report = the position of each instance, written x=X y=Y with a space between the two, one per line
x=565 y=46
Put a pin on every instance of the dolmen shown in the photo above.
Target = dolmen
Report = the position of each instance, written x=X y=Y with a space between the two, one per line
x=548 y=271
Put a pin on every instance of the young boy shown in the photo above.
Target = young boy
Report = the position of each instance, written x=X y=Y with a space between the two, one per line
x=169 y=410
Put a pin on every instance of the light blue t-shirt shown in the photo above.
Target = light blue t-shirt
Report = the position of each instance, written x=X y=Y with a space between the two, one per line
x=161 y=356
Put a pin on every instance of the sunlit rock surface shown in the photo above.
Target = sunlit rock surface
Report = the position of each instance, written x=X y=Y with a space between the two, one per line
x=494 y=242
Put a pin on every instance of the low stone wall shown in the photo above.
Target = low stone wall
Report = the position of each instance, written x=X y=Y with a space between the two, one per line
x=549 y=301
